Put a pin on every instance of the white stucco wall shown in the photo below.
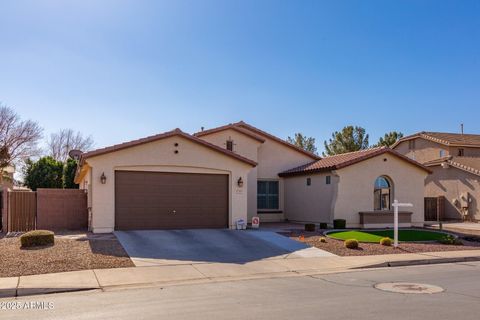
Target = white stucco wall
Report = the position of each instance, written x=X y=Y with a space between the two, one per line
x=159 y=156
x=312 y=203
x=425 y=150
x=242 y=144
x=356 y=185
x=452 y=183
x=272 y=157
x=245 y=146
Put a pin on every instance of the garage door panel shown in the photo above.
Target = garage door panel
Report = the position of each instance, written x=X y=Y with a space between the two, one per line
x=172 y=189
x=177 y=201
x=157 y=200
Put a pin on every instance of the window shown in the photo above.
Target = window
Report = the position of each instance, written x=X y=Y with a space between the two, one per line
x=442 y=153
x=230 y=145
x=309 y=181
x=411 y=144
x=328 y=179
x=382 y=194
x=267 y=194
x=461 y=152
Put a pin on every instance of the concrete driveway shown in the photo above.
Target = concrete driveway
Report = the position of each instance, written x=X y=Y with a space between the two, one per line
x=167 y=247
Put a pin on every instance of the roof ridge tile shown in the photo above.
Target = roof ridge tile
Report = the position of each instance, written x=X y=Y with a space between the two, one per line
x=346 y=159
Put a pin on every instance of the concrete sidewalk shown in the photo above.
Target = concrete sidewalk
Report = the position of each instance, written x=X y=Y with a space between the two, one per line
x=465 y=228
x=108 y=279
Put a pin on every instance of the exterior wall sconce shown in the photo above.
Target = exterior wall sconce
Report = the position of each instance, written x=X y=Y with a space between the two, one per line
x=240 y=182
x=103 y=178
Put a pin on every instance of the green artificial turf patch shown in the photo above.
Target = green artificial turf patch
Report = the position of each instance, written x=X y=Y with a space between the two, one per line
x=376 y=235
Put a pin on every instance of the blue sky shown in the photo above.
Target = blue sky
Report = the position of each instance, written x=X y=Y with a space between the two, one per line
x=121 y=70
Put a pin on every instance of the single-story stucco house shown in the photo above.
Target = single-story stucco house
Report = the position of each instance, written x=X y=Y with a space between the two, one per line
x=215 y=177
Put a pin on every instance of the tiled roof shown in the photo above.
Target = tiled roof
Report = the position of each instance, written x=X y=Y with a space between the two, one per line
x=344 y=160
x=448 y=139
x=247 y=128
x=232 y=127
x=176 y=132
x=469 y=164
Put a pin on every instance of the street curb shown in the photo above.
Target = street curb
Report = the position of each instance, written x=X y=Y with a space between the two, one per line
x=14 y=291
x=419 y=262
x=25 y=292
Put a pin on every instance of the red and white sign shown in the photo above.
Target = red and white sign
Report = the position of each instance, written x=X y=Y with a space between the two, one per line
x=255 y=222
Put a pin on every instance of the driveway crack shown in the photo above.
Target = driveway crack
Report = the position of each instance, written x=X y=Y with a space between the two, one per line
x=463 y=294
x=341 y=283
x=203 y=274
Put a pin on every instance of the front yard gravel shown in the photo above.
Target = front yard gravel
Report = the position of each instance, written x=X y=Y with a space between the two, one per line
x=68 y=254
x=337 y=247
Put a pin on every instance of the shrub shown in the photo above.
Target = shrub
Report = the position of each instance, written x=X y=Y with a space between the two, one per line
x=449 y=239
x=45 y=173
x=351 y=243
x=386 y=242
x=339 y=223
x=69 y=170
x=37 y=238
x=323 y=225
x=310 y=227
x=323 y=240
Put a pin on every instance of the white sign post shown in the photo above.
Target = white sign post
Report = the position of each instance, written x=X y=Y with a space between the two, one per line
x=396 y=205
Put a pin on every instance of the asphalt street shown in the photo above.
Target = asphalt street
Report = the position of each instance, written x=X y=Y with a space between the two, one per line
x=343 y=296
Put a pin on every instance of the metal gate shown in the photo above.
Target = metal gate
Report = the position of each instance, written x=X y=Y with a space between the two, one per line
x=434 y=208
x=22 y=209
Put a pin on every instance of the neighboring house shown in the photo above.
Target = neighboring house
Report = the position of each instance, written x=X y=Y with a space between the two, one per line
x=215 y=177
x=455 y=162
x=6 y=183
x=358 y=187
x=6 y=178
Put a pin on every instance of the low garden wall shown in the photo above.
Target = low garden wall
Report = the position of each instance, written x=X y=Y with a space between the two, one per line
x=383 y=219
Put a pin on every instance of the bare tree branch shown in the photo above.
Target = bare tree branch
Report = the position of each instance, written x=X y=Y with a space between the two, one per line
x=63 y=141
x=18 y=139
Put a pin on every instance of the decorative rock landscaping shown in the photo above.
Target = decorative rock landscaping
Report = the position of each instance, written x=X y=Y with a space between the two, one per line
x=68 y=254
x=317 y=239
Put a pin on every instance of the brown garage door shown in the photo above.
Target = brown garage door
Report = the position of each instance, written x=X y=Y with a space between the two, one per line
x=162 y=200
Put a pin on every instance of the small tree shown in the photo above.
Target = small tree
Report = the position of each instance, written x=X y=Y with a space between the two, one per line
x=61 y=142
x=69 y=170
x=389 y=139
x=303 y=142
x=348 y=140
x=4 y=160
x=18 y=138
x=45 y=173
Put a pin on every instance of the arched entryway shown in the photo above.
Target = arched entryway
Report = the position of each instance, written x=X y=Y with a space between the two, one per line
x=382 y=194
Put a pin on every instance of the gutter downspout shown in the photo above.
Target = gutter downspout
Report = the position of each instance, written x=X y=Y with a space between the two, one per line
x=333 y=202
